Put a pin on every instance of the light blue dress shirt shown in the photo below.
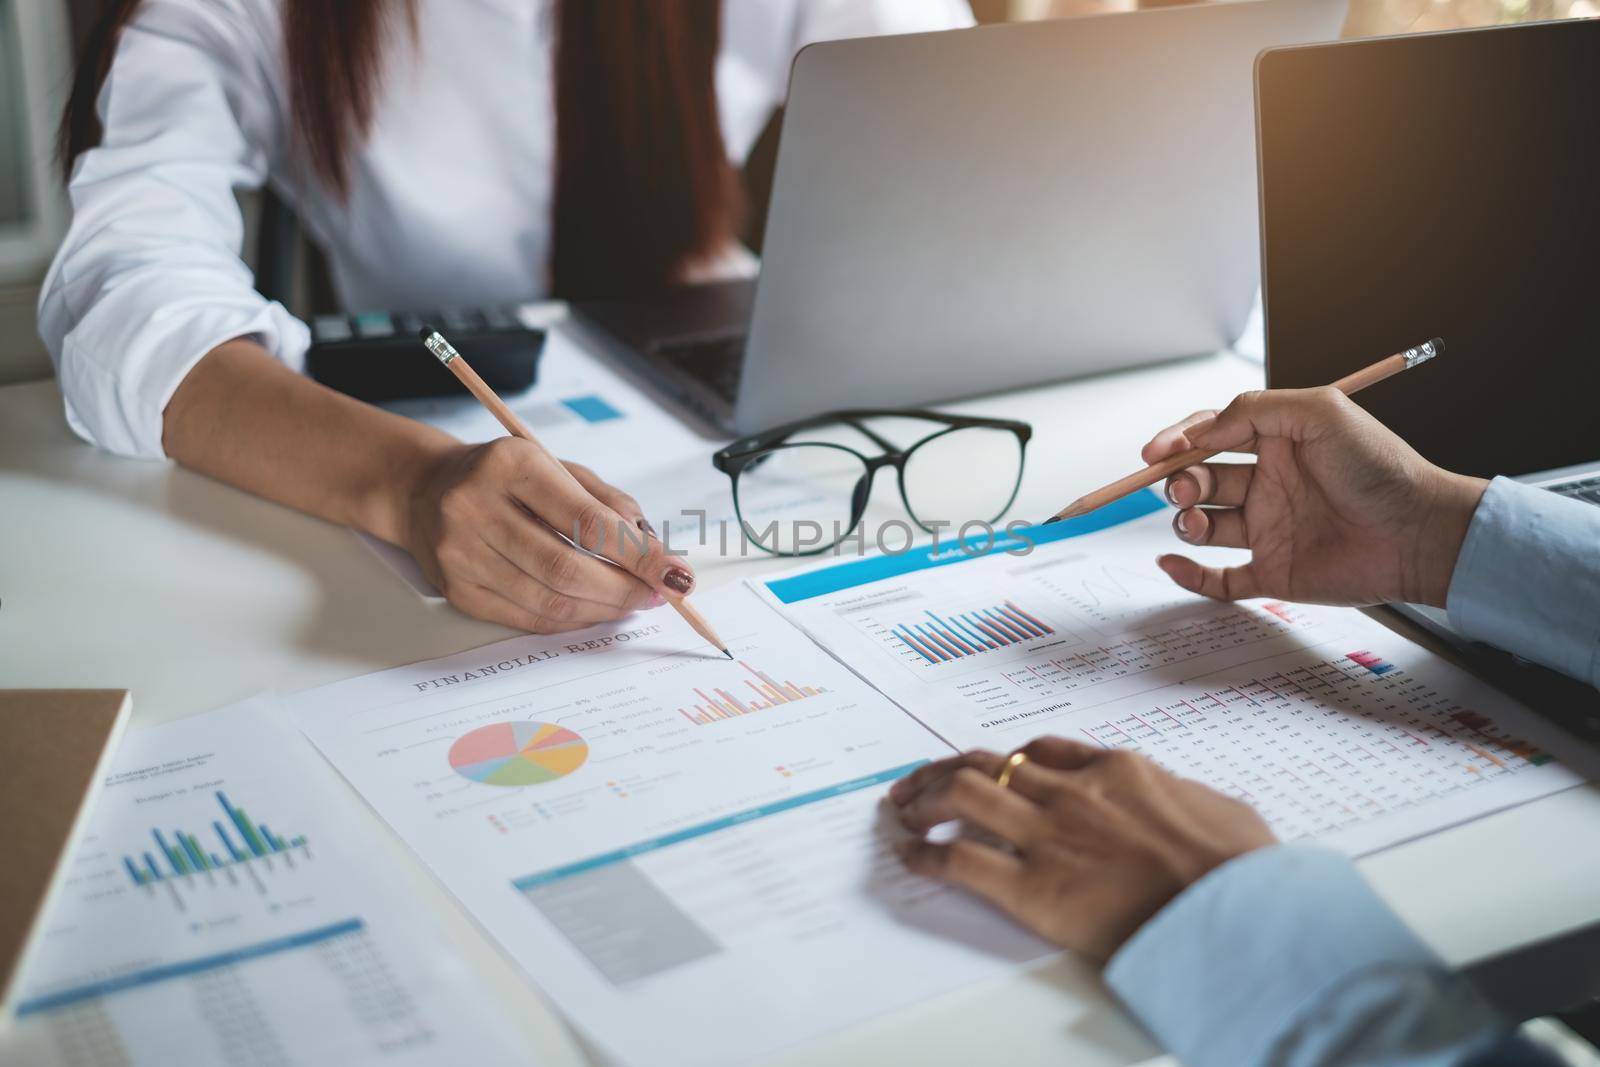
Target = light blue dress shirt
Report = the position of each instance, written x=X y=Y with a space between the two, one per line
x=1285 y=956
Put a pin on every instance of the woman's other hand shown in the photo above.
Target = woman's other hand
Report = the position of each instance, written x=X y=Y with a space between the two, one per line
x=491 y=526
x=1088 y=844
x=1335 y=510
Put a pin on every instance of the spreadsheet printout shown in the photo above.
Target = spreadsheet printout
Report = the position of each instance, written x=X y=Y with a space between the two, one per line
x=1333 y=726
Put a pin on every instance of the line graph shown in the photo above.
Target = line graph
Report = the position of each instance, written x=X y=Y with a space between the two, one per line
x=1109 y=593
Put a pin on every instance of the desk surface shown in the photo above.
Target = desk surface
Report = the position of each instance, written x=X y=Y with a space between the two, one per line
x=130 y=574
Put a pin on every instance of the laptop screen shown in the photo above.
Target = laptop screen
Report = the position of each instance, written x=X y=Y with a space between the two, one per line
x=1442 y=185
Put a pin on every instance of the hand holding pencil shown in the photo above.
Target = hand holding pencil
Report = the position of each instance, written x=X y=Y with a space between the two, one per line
x=1335 y=509
x=601 y=559
x=1387 y=367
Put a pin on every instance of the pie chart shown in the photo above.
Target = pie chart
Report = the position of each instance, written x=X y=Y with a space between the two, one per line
x=518 y=753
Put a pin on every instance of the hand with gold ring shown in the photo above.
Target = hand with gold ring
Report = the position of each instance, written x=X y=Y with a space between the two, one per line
x=1015 y=760
x=1099 y=841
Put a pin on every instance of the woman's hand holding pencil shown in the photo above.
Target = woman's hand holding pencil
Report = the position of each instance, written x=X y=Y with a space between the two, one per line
x=491 y=529
x=512 y=534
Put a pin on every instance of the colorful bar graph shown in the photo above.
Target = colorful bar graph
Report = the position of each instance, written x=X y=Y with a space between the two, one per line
x=1372 y=662
x=720 y=703
x=1282 y=611
x=185 y=855
x=952 y=636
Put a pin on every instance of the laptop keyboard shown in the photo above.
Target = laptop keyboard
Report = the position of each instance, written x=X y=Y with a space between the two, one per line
x=1588 y=489
x=717 y=361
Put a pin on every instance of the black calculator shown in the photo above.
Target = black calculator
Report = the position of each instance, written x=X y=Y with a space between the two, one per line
x=377 y=355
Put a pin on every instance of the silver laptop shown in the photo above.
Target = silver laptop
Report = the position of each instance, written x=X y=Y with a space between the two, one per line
x=966 y=212
x=1443 y=184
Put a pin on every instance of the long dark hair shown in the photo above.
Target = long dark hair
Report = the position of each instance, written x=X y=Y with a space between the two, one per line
x=642 y=185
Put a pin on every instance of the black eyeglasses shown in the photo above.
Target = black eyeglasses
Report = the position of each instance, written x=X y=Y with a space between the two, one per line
x=802 y=488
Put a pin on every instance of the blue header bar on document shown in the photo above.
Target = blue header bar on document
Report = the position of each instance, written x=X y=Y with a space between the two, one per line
x=776 y=807
x=1024 y=539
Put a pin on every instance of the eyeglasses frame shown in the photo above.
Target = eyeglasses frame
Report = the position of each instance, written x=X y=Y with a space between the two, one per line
x=735 y=458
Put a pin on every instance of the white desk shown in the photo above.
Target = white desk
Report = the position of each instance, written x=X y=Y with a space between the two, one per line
x=132 y=574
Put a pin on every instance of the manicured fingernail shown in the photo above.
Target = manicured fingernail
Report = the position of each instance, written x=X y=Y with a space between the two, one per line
x=1170 y=498
x=678 y=580
x=1183 y=523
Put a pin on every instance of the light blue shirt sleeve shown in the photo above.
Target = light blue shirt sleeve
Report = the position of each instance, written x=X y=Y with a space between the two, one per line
x=1285 y=956
x=1528 y=578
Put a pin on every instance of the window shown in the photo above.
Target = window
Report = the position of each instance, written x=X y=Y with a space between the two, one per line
x=33 y=80
x=14 y=181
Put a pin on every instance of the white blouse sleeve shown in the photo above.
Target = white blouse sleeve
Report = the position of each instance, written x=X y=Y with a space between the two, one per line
x=149 y=279
x=829 y=20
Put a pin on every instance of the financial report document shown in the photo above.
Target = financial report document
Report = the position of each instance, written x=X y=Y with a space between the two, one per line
x=222 y=910
x=1328 y=723
x=687 y=853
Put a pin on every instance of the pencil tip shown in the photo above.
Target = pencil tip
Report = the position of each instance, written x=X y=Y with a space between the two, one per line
x=725 y=652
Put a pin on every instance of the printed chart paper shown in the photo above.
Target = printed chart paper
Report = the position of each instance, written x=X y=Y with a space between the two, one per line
x=222 y=911
x=688 y=854
x=1330 y=724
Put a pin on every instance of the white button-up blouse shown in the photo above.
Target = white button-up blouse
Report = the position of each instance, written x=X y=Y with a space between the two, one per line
x=449 y=200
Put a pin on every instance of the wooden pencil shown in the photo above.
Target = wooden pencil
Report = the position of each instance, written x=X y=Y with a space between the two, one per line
x=1387 y=367
x=479 y=388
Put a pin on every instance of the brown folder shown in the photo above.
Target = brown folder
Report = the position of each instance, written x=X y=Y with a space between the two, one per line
x=54 y=747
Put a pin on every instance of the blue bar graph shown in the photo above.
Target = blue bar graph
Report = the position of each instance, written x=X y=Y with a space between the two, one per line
x=957 y=635
x=186 y=856
x=227 y=842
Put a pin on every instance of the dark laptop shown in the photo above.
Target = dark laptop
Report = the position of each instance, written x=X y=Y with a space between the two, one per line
x=1443 y=184
x=689 y=343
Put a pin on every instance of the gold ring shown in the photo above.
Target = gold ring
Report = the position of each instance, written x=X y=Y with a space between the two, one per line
x=1003 y=779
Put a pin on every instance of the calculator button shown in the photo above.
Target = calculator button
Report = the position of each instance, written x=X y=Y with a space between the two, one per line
x=331 y=328
x=500 y=319
x=374 y=324
x=463 y=320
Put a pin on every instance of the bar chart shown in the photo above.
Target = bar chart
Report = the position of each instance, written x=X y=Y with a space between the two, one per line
x=721 y=704
x=956 y=635
x=179 y=854
x=1374 y=663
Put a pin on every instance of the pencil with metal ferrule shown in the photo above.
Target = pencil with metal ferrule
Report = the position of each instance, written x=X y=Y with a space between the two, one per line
x=435 y=342
x=1387 y=367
